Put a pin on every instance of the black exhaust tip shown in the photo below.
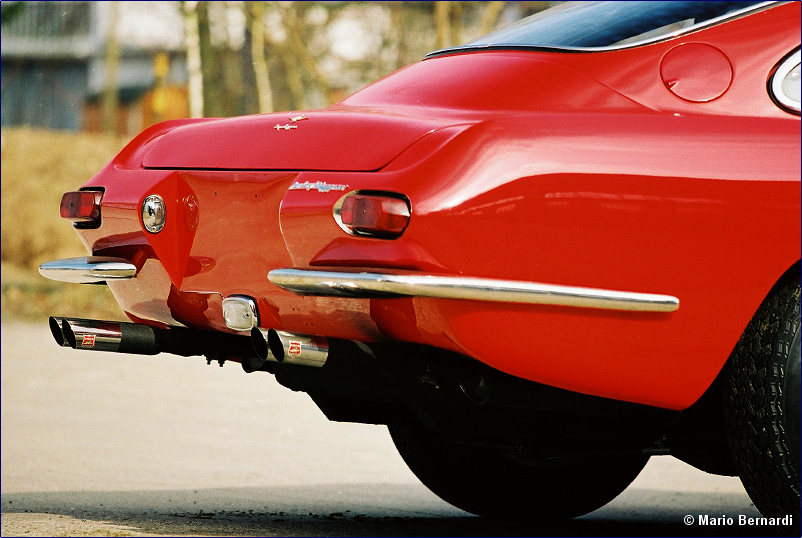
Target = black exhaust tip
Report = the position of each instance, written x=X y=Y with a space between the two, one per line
x=55 y=330
x=259 y=342
x=275 y=345
x=69 y=335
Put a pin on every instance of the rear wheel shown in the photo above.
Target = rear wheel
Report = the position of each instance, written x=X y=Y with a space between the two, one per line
x=490 y=483
x=763 y=404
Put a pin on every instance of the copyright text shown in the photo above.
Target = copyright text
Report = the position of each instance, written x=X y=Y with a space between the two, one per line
x=740 y=520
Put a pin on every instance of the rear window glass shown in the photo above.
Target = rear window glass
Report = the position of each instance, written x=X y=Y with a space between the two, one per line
x=591 y=25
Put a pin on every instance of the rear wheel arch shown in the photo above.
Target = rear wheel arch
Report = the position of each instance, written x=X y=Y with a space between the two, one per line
x=699 y=437
x=790 y=275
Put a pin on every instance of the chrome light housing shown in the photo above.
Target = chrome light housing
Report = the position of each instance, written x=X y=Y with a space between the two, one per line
x=240 y=313
x=153 y=213
x=785 y=83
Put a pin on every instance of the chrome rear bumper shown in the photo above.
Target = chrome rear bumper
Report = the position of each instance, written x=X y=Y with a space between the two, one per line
x=88 y=270
x=95 y=269
x=378 y=285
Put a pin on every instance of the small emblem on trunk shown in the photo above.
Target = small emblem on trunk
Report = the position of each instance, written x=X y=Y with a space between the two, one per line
x=320 y=186
x=288 y=126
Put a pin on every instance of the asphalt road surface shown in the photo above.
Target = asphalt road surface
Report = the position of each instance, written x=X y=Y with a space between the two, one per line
x=119 y=445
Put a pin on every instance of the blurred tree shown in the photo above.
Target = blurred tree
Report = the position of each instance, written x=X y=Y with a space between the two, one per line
x=228 y=88
x=10 y=10
x=452 y=19
x=264 y=93
x=399 y=24
x=297 y=26
x=442 y=21
x=194 y=72
x=456 y=23
x=247 y=57
x=112 y=62
x=291 y=49
x=161 y=67
x=490 y=16
x=209 y=61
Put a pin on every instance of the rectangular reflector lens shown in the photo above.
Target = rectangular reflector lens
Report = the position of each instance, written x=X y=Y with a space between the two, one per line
x=81 y=206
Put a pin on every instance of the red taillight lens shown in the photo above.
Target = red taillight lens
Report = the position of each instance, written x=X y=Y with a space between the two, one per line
x=374 y=214
x=81 y=207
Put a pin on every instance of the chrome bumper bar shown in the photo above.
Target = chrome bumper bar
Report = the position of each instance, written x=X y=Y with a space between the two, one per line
x=383 y=285
x=89 y=270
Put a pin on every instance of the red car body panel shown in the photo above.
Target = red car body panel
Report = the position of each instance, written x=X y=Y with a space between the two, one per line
x=221 y=144
x=581 y=169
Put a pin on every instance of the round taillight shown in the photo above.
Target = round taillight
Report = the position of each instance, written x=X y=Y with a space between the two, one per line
x=153 y=213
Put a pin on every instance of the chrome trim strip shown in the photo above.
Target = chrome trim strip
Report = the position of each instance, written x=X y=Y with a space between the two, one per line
x=385 y=285
x=777 y=92
x=337 y=213
x=88 y=270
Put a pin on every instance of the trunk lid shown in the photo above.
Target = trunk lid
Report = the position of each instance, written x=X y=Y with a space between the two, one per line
x=331 y=140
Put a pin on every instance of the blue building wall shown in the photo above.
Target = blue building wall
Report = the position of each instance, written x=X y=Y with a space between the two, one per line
x=47 y=94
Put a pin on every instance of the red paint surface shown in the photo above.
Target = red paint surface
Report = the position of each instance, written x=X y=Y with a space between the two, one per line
x=563 y=168
x=364 y=141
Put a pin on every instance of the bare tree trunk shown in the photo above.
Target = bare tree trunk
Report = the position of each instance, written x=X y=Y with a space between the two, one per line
x=161 y=68
x=112 y=61
x=294 y=82
x=263 y=91
x=456 y=23
x=210 y=64
x=442 y=12
x=290 y=56
x=192 y=43
x=398 y=18
x=490 y=16
x=296 y=30
x=229 y=72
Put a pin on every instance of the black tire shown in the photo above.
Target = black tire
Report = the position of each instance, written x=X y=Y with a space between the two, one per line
x=762 y=408
x=491 y=484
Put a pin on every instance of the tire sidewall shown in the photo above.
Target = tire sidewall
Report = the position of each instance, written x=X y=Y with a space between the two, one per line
x=761 y=418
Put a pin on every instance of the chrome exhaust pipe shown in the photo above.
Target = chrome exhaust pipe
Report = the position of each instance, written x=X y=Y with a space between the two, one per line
x=141 y=339
x=290 y=348
x=110 y=336
x=293 y=348
x=55 y=330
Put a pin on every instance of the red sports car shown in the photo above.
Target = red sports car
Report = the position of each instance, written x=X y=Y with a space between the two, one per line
x=539 y=258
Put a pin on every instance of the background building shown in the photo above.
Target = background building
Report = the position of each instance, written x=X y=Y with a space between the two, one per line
x=122 y=65
x=55 y=56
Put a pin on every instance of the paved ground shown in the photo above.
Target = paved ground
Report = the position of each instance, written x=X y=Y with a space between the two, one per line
x=104 y=444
